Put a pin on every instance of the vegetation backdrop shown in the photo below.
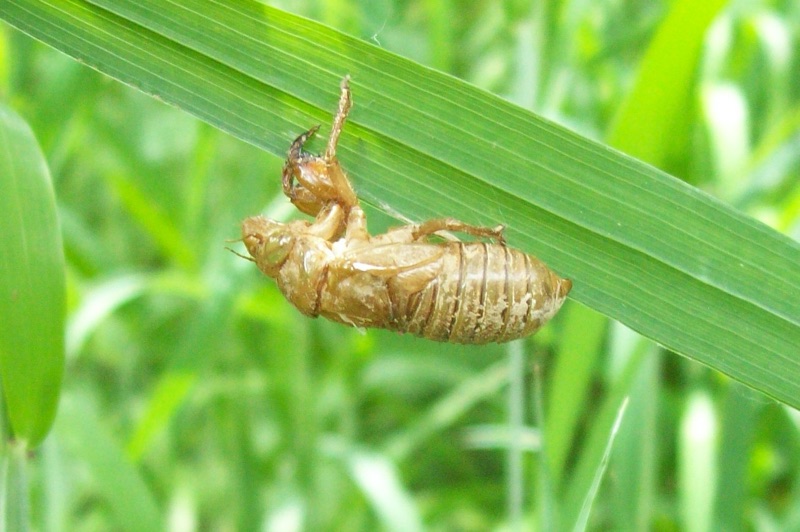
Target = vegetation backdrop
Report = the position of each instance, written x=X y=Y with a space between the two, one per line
x=194 y=396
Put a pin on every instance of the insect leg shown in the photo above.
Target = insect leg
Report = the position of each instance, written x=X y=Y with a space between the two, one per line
x=311 y=181
x=430 y=227
x=293 y=161
x=328 y=223
x=418 y=264
x=342 y=189
x=356 y=231
x=345 y=102
x=299 y=164
x=296 y=152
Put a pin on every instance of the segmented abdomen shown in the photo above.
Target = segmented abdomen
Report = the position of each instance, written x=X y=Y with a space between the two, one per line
x=483 y=293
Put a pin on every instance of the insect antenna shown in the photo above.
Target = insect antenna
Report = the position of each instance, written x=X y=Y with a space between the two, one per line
x=251 y=259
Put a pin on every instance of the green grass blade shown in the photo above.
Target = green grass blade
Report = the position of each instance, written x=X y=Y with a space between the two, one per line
x=446 y=410
x=124 y=490
x=639 y=442
x=14 y=492
x=32 y=286
x=652 y=124
x=380 y=483
x=740 y=418
x=660 y=256
x=697 y=462
x=596 y=442
x=584 y=332
x=582 y=521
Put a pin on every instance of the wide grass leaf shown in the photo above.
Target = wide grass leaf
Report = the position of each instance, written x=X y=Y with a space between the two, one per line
x=32 y=293
x=640 y=246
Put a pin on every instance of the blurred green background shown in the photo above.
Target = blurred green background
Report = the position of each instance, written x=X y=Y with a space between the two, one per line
x=195 y=397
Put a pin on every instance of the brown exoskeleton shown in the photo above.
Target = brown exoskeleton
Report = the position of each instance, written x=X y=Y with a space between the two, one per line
x=463 y=292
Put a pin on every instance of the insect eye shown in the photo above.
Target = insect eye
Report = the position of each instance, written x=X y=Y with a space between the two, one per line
x=252 y=242
x=275 y=249
x=276 y=252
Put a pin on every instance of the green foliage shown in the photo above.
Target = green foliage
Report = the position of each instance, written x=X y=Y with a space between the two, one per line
x=32 y=294
x=196 y=395
x=665 y=259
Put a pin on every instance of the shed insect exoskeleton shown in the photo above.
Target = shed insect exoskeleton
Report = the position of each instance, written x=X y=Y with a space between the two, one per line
x=465 y=292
